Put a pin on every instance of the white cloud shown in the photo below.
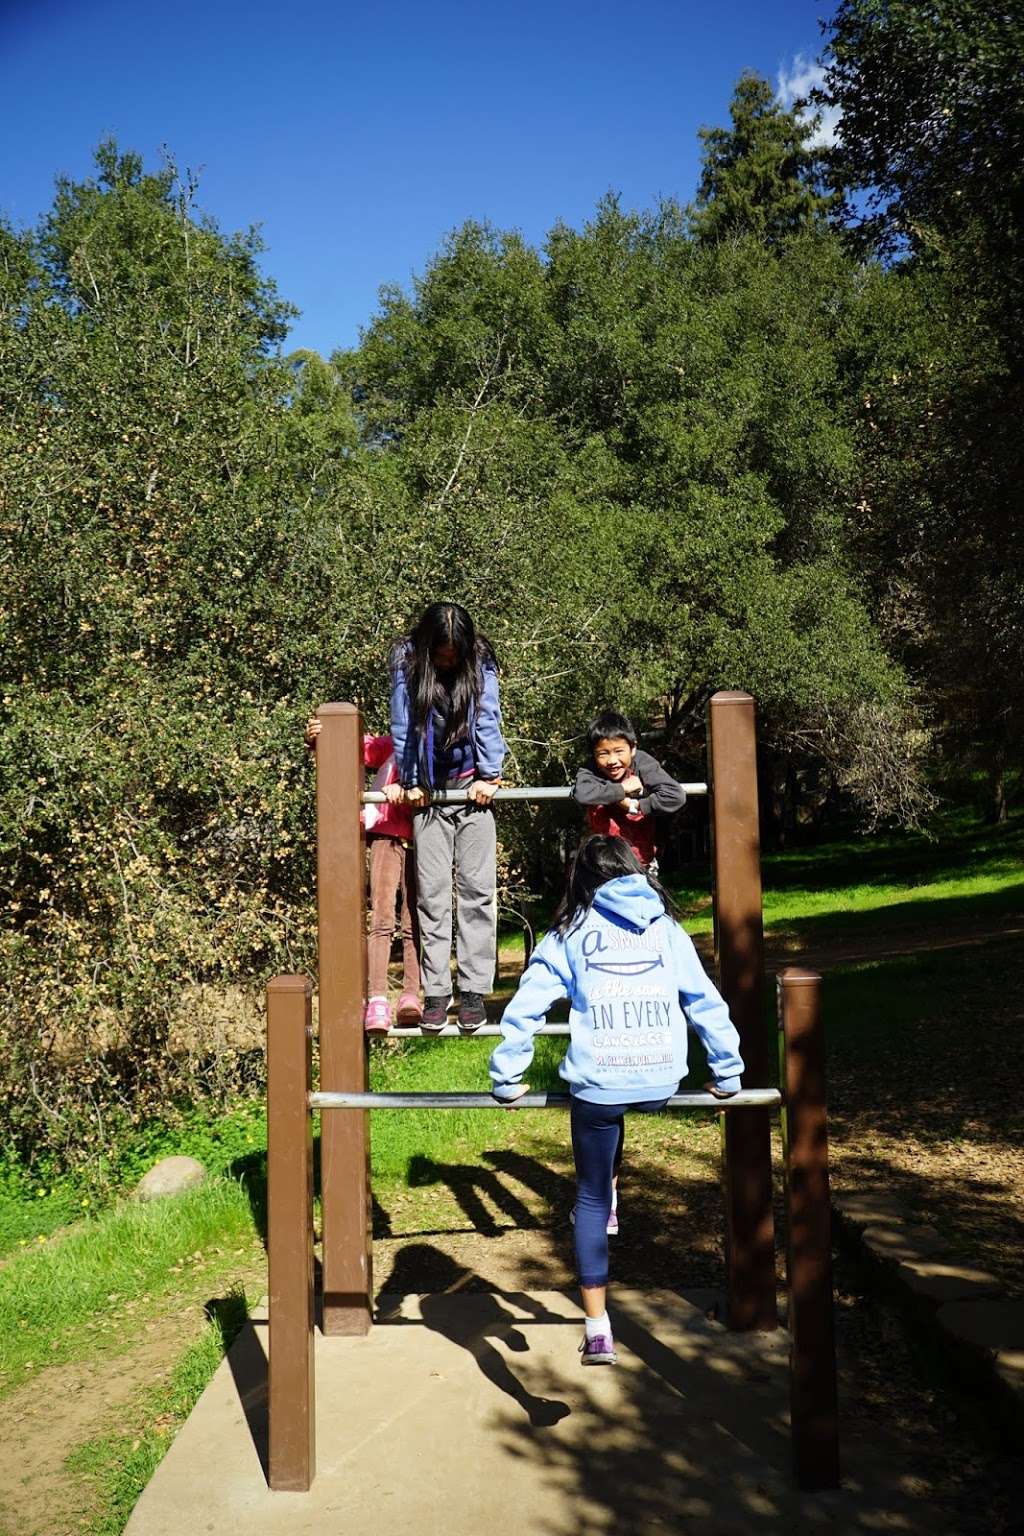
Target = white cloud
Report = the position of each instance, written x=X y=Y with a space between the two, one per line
x=797 y=81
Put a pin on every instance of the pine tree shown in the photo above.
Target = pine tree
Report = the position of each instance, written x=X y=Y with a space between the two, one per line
x=762 y=176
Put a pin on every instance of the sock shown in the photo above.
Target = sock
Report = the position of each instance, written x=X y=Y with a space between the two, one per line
x=615 y=1197
x=378 y=997
x=596 y=1325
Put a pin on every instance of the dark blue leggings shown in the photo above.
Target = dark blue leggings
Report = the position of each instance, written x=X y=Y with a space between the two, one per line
x=597 y=1136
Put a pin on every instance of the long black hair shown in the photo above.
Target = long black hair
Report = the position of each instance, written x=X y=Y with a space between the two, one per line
x=597 y=860
x=452 y=693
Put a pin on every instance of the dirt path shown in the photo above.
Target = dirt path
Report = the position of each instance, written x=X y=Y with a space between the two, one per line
x=62 y=1407
x=48 y=1417
x=786 y=947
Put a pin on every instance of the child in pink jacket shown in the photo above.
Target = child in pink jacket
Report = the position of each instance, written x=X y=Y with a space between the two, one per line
x=392 y=871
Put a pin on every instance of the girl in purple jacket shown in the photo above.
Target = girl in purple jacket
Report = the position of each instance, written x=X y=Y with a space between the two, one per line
x=446 y=729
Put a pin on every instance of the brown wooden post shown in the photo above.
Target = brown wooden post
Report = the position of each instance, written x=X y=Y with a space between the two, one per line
x=341 y=904
x=813 y=1406
x=739 y=944
x=292 y=1387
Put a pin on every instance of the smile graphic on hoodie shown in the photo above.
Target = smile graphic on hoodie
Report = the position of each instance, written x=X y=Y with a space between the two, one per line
x=626 y=967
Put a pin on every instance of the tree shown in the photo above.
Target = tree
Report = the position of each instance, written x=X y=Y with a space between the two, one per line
x=762 y=176
x=931 y=130
x=173 y=582
x=666 y=447
x=938 y=522
x=931 y=148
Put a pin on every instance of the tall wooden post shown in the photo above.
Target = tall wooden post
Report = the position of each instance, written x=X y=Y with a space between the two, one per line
x=341 y=905
x=813 y=1404
x=739 y=943
x=292 y=1392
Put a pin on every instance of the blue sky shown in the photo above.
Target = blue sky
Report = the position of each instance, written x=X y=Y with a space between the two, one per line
x=356 y=137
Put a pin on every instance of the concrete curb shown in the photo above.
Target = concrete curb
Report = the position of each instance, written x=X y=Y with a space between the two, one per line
x=980 y=1331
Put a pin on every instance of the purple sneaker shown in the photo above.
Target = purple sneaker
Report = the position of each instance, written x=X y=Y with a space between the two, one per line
x=599 y=1350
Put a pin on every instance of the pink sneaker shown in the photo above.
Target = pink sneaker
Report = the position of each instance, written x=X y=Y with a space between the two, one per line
x=377 y=1018
x=409 y=1012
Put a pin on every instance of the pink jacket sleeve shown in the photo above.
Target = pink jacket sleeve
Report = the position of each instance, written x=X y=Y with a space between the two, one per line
x=385 y=820
x=376 y=750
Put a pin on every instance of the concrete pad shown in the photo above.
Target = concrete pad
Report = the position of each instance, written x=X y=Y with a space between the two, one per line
x=871 y=1208
x=904 y=1243
x=939 y=1283
x=471 y=1413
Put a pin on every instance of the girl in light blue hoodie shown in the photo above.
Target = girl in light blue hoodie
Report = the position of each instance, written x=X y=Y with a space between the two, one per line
x=634 y=982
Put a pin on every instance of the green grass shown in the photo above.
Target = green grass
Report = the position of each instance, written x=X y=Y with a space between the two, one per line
x=906 y=1020
x=925 y=1062
x=31 y=1209
x=118 y=1466
x=407 y=1144
x=60 y=1297
x=852 y=878
x=75 y=1295
x=447 y=1066
x=869 y=890
x=35 y=1205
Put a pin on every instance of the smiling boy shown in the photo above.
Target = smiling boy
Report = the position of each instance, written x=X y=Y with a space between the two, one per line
x=623 y=788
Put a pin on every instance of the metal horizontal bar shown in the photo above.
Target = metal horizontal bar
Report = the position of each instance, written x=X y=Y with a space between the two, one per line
x=764 y=1098
x=452 y=1032
x=508 y=792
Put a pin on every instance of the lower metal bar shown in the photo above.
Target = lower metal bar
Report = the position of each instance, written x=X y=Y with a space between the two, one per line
x=763 y=1097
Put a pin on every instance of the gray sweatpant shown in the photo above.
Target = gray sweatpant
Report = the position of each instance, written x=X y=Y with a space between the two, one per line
x=463 y=835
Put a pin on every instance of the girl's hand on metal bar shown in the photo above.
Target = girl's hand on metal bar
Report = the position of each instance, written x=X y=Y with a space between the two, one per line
x=518 y=1092
x=396 y=794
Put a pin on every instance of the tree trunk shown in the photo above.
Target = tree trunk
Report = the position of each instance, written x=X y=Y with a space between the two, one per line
x=997 y=807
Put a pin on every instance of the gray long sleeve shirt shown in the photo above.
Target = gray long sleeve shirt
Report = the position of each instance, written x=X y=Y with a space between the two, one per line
x=660 y=796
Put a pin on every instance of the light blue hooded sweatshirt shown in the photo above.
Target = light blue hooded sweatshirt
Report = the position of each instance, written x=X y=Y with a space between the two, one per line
x=633 y=981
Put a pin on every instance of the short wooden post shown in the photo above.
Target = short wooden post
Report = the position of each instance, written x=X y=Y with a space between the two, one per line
x=341 y=906
x=292 y=1389
x=813 y=1405
x=739 y=944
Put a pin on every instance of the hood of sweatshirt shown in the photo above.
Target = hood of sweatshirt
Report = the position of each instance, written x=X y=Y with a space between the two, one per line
x=631 y=899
